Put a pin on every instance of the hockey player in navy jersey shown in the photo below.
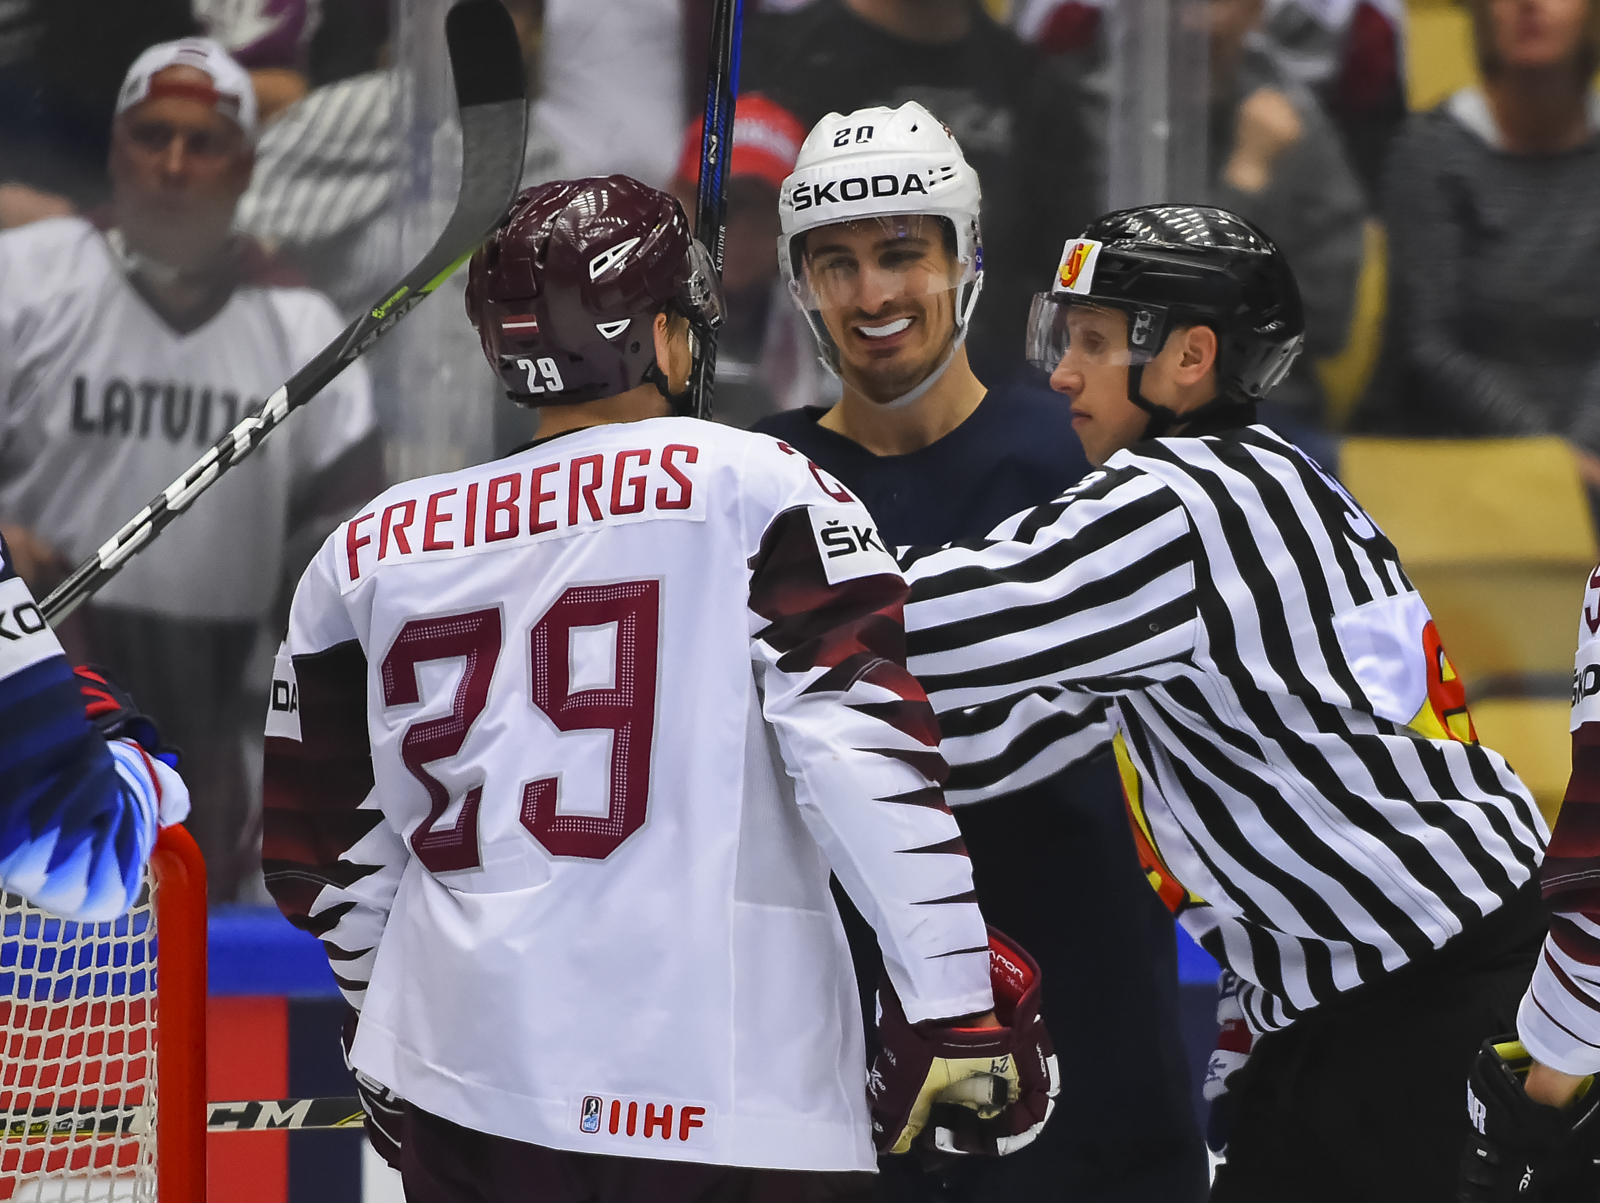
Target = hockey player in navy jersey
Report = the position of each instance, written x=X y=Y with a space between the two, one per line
x=888 y=278
x=84 y=783
x=572 y=740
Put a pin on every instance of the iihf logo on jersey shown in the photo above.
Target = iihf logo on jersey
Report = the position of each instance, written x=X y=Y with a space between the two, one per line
x=644 y=1119
x=591 y=1113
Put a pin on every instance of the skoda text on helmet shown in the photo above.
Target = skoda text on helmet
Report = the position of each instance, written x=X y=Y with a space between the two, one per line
x=565 y=292
x=1168 y=266
x=881 y=163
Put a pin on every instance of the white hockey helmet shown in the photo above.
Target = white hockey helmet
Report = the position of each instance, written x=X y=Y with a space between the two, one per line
x=881 y=163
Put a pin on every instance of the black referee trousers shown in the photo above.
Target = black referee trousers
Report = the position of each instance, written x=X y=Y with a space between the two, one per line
x=1363 y=1100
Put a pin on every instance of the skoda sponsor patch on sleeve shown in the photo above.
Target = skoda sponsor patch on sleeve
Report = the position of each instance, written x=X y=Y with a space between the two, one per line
x=283 y=705
x=849 y=543
x=25 y=637
x=1076 y=273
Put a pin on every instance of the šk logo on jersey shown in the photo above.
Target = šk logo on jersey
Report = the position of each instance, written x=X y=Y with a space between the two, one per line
x=1076 y=273
x=20 y=623
x=849 y=543
x=678 y=1122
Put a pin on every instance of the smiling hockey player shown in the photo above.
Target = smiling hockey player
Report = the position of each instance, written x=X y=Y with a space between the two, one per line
x=883 y=251
x=568 y=745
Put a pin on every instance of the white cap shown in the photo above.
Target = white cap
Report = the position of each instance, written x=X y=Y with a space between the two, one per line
x=231 y=92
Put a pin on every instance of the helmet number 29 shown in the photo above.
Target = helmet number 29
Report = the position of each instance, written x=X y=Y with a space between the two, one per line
x=625 y=707
x=546 y=368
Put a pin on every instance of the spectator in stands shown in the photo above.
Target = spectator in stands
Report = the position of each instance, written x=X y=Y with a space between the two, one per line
x=1276 y=160
x=1018 y=129
x=614 y=87
x=765 y=360
x=1348 y=53
x=269 y=38
x=1495 y=237
x=61 y=63
x=124 y=353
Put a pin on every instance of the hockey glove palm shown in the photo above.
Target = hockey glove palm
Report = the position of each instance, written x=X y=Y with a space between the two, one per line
x=1515 y=1145
x=986 y=1090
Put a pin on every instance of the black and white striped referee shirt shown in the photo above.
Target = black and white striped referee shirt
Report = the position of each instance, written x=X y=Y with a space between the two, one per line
x=1304 y=781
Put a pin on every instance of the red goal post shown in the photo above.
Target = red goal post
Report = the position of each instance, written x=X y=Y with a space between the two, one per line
x=89 y=1115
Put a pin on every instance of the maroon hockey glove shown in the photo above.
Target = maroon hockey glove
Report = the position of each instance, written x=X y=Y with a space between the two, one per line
x=385 y=1110
x=979 y=1090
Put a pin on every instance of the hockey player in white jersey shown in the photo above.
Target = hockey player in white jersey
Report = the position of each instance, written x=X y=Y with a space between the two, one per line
x=563 y=747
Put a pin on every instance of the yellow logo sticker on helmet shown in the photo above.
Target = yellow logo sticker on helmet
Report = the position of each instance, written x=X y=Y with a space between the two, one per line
x=1076 y=273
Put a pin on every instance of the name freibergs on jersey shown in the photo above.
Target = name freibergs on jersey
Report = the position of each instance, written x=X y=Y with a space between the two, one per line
x=168 y=409
x=506 y=505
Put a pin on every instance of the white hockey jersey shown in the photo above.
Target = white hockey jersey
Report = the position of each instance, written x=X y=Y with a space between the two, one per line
x=561 y=750
x=103 y=405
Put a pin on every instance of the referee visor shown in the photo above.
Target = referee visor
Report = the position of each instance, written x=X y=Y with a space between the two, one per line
x=1059 y=324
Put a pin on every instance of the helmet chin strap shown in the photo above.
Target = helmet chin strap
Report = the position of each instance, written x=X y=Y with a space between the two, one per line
x=932 y=378
x=1163 y=419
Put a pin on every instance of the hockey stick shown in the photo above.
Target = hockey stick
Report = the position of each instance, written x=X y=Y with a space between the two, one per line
x=487 y=65
x=247 y=1115
x=284 y=1115
x=716 y=148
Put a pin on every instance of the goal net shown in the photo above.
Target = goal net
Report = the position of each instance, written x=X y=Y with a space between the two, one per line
x=98 y=1023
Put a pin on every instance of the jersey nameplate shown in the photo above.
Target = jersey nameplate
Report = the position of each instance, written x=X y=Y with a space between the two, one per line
x=849 y=543
x=25 y=637
x=283 y=706
x=506 y=506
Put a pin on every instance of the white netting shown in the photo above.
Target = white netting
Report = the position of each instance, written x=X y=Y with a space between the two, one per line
x=77 y=1067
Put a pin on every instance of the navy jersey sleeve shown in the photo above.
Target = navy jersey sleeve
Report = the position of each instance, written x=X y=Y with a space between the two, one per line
x=78 y=814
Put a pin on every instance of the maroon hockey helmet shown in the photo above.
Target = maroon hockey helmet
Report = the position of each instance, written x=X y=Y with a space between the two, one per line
x=565 y=291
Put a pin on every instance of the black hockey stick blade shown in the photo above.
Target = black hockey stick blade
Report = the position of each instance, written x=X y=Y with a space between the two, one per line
x=246 y=1115
x=716 y=149
x=487 y=64
x=284 y=1115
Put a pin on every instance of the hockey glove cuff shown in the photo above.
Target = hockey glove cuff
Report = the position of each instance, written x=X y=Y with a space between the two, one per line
x=985 y=1090
x=1515 y=1145
x=385 y=1110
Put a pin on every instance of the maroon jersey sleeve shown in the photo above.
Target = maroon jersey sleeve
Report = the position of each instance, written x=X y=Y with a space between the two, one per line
x=861 y=744
x=1559 y=1020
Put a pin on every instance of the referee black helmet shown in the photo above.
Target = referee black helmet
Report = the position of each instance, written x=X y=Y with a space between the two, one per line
x=1171 y=266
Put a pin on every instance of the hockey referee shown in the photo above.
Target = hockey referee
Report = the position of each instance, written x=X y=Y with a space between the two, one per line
x=1303 y=778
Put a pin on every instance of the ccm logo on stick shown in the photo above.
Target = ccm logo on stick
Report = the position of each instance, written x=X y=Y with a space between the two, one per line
x=644 y=1119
